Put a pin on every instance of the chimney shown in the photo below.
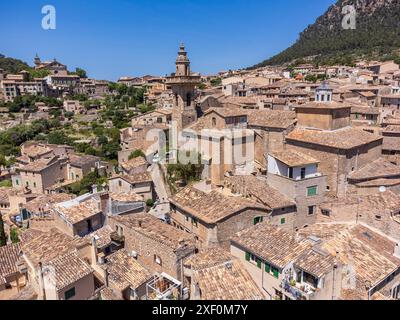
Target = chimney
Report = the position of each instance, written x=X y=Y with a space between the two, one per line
x=41 y=282
x=397 y=250
x=94 y=251
x=106 y=275
x=94 y=188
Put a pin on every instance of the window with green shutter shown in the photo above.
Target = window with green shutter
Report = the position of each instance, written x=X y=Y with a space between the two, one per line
x=267 y=268
x=69 y=294
x=248 y=256
x=258 y=220
x=275 y=272
x=283 y=221
x=259 y=263
x=312 y=191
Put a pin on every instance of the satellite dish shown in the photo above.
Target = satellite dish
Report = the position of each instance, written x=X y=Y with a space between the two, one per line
x=382 y=189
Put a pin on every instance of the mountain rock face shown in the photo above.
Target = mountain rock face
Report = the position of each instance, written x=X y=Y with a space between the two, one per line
x=377 y=30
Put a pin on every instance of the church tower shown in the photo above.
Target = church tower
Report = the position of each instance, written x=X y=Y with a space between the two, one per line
x=37 y=60
x=183 y=84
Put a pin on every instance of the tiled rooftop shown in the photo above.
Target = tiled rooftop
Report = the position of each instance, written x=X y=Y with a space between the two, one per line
x=346 y=138
x=82 y=160
x=38 y=166
x=47 y=246
x=370 y=253
x=124 y=271
x=227 y=281
x=157 y=230
x=126 y=196
x=207 y=258
x=68 y=269
x=213 y=206
x=43 y=202
x=380 y=168
x=274 y=245
x=9 y=256
x=134 y=163
x=135 y=178
x=293 y=158
x=259 y=190
x=79 y=212
x=271 y=118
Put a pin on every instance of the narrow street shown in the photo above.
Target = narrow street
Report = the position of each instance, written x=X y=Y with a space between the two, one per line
x=162 y=207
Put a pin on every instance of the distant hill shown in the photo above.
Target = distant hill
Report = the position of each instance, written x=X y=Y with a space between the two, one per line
x=11 y=65
x=377 y=34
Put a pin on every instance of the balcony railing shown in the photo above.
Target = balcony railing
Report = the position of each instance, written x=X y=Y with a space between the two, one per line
x=297 y=291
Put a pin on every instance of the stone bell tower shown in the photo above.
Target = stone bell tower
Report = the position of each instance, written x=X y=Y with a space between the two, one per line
x=183 y=84
x=37 y=60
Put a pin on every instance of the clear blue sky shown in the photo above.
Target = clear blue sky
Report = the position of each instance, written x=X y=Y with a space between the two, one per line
x=113 y=38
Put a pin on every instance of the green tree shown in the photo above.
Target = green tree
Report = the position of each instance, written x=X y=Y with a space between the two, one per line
x=102 y=140
x=136 y=154
x=6 y=184
x=186 y=172
x=57 y=137
x=216 y=82
x=39 y=73
x=80 y=73
x=85 y=185
x=14 y=236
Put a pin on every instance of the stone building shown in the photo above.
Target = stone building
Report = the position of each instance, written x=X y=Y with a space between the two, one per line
x=214 y=274
x=139 y=183
x=154 y=244
x=183 y=83
x=57 y=267
x=296 y=175
x=282 y=209
x=369 y=179
x=79 y=216
x=324 y=134
x=270 y=127
x=54 y=67
x=272 y=257
x=39 y=175
x=213 y=217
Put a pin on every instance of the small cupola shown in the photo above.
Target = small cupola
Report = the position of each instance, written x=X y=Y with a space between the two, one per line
x=324 y=93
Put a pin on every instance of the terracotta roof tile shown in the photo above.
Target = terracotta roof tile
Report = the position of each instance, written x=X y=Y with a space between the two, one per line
x=157 y=230
x=124 y=271
x=276 y=246
x=271 y=118
x=259 y=190
x=68 y=269
x=346 y=138
x=211 y=207
x=227 y=281
x=9 y=256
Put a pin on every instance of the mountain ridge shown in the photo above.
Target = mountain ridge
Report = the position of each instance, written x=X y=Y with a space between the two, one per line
x=377 y=33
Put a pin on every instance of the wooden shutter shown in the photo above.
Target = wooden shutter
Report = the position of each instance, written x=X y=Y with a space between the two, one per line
x=247 y=256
